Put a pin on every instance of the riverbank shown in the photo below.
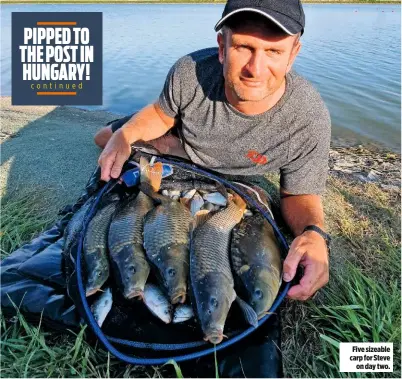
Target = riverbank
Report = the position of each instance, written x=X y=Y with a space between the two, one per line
x=47 y=156
x=32 y=137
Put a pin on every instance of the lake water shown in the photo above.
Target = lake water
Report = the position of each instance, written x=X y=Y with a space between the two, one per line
x=351 y=53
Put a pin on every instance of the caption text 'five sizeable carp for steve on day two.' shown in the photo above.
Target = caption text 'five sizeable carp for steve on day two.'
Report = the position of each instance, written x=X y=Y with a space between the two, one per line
x=196 y=237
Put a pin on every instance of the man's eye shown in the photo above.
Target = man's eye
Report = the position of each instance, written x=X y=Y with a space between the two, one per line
x=273 y=51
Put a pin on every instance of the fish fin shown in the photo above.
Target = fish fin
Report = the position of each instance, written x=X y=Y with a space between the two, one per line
x=149 y=191
x=248 y=312
x=201 y=217
x=241 y=204
x=151 y=174
x=222 y=190
x=186 y=202
x=89 y=291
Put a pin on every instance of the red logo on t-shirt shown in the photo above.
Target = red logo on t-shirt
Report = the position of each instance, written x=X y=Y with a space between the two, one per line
x=256 y=157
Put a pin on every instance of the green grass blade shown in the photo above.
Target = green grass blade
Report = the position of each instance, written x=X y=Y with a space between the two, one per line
x=176 y=367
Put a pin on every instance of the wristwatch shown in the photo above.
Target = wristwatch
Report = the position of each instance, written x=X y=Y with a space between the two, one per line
x=324 y=235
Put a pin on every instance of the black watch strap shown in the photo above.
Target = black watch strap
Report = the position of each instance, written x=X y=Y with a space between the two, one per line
x=318 y=230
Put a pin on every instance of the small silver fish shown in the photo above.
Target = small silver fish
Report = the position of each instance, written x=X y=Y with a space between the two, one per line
x=208 y=206
x=174 y=194
x=102 y=306
x=183 y=313
x=216 y=198
x=189 y=194
x=248 y=213
x=157 y=303
x=196 y=203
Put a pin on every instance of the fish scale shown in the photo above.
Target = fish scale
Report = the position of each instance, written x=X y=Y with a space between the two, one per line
x=210 y=247
x=165 y=225
x=254 y=241
x=127 y=226
x=96 y=246
x=74 y=227
x=256 y=262
x=96 y=236
x=166 y=242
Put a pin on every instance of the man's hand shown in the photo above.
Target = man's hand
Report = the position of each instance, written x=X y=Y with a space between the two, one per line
x=308 y=250
x=146 y=125
x=114 y=155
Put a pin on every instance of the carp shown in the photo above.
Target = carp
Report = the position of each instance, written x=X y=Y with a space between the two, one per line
x=96 y=246
x=127 y=253
x=211 y=278
x=166 y=242
x=256 y=262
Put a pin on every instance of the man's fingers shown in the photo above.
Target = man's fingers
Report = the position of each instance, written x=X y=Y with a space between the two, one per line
x=117 y=165
x=106 y=164
x=297 y=293
x=291 y=262
x=315 y=277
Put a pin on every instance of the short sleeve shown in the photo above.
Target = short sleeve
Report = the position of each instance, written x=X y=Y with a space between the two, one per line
x=307 y=169
x=169 y=99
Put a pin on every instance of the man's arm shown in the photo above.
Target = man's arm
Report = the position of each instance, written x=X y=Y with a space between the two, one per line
x=309 y=248
x=301 y=210
x=149 y=123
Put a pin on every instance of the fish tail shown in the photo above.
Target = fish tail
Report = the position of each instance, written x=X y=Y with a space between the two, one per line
x=151 y=175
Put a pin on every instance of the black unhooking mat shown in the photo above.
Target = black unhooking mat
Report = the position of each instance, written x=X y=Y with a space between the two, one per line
x=41 y=283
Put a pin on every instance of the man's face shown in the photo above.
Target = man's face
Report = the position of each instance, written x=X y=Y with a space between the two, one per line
x=255 y=60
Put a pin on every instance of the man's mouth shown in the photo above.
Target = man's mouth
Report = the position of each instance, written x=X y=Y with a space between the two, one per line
x=252 y=83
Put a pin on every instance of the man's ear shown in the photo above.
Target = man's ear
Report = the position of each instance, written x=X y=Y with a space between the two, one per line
x=221 y=45
x=295 y=50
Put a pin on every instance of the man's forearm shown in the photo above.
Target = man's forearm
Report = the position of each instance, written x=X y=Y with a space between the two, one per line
x=148 y=124
x=299 y=211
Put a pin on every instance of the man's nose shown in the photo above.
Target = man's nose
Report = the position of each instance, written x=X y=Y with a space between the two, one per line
x=257 y=64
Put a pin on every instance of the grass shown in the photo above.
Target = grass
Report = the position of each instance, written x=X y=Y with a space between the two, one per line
x=361 y=302
x=353 y=308
x=29 y=351
x=22 y=216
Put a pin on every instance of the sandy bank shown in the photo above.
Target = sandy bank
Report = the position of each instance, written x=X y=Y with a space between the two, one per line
x=49 y=148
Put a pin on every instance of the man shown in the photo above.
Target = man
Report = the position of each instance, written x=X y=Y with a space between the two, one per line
x=243 y=111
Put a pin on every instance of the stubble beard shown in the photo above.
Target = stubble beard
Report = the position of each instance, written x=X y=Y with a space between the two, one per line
x=255 y=96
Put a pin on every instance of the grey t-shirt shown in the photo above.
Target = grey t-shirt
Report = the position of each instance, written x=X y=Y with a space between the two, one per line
x=292 y=137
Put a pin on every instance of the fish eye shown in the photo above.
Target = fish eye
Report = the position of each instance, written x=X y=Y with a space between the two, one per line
x=214 y=302
x=209 y=311
x=99 y=274
x=166 y=312
x=171 y=272
x=132 y=269
x=258 y=294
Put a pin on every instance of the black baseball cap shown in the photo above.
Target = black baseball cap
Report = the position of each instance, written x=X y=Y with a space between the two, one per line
x=287 y=14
